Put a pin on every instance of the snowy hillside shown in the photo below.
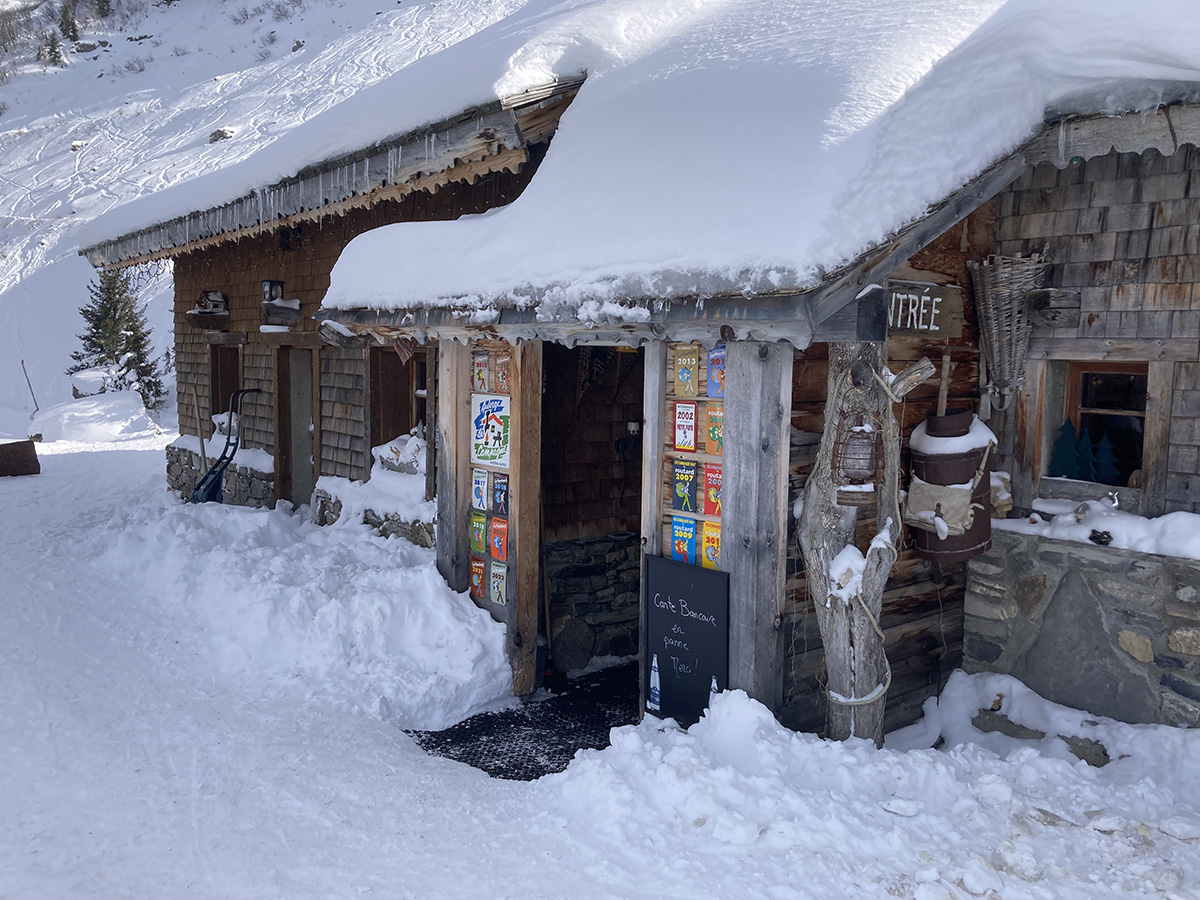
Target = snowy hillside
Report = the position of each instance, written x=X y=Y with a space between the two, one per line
x=130 y=118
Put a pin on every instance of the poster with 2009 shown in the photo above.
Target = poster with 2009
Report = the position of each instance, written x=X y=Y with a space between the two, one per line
x=489 y=429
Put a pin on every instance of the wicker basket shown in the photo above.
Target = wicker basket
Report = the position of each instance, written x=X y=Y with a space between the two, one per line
x=1000 y=285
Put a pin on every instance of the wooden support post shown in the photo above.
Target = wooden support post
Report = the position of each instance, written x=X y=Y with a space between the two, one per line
x=453 y=464
x=758 y=378
x=654 y=417
x=1160 y=381
x=1028 y=415
x=525 y=497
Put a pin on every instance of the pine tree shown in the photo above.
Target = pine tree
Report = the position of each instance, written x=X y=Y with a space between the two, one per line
x=103 y=8
x=1064 y=457
x=1087 y=458
x=50 y=50
x=118 y=339
x=1106 y=462
x=66 y=21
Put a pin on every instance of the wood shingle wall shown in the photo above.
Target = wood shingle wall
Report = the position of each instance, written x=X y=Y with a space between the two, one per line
x=344 y=449
x=1123 y=230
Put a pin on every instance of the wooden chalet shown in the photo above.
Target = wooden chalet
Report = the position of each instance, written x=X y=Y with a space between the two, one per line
x=589 y=419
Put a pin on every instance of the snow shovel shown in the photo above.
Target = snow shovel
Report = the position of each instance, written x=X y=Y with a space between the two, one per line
x=211 y=486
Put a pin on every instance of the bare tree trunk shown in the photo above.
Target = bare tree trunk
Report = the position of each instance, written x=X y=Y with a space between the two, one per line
x=856 y=666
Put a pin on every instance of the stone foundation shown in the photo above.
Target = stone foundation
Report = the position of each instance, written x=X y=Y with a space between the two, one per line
x=594 y=586
x=1110 y=631
x=327 y=509
x=242 y=487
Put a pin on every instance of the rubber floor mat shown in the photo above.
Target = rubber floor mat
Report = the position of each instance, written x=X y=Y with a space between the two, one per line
x=542 y=735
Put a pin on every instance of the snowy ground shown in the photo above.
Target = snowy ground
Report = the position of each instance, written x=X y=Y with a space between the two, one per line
x=189 y=702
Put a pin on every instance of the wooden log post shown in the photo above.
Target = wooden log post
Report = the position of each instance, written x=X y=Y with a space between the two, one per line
x=847 y=585
x=525 y=498
x=654 y=401
x=453 y=463
x=758 y=378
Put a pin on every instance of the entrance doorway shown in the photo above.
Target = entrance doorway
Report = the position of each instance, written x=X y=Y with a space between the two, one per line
x=295 y=466
x=591 y=505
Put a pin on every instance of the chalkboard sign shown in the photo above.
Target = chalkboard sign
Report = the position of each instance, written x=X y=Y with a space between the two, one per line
x=687 y=638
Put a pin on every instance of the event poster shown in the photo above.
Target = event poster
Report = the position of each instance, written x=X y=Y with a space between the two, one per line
x=478 y=578
x=478 y=532
x=683 y=476
x=499 y=583
x=479 y=483
x=715 y=385
x=714 y=428
x=683 y=539
x=500 y=493
x=685 y=425
x=687 y=370
x=498 y=539
x=490 y=429
x=712 y=489
x=479 y=371
x=501 y=367
x=710 y=555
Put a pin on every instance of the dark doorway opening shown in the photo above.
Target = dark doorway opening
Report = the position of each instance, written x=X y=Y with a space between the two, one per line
x=295 y=426
x=591 y=510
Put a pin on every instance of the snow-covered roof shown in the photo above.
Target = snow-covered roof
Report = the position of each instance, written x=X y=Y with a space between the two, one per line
x=756 y=146
x=718 y=147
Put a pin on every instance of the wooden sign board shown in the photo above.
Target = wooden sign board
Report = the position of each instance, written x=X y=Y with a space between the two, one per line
x=931 y=310
x=687 y=638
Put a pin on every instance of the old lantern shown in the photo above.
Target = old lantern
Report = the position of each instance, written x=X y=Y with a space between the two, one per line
x=856 y=461
x=272 y=290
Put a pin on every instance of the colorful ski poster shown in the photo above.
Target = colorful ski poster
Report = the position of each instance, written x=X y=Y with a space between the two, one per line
x=498 y=539
x=710 y=555
x=478 y=578
x=712 y=489
x=683 y=539
x=479 y=482
x=489 y=430
x=714 y=430
x=685 y=425
x=683 y=476
x=500 y=493
x=478 y=532
x=501 y=366
x=687 y=370
x=479 y=372
x=499 y=583
x=715 y=385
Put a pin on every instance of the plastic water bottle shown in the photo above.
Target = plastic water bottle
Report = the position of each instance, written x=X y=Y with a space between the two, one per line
x=713 y=690
x=652 y=703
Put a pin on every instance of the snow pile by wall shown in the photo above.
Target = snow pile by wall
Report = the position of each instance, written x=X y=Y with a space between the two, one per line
x=115 y=416
x=815 y=816
x=339 y=608
x=1175 y=534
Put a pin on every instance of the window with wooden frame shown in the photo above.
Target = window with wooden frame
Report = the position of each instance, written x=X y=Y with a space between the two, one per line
x=1106 y=404
x=398 y=394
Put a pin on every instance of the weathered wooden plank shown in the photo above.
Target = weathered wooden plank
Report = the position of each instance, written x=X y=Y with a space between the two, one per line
x=754 y=539
x=453 y=467
x=1162 y=349
x=525 y=523
x=654 y=403
x=1160 y=378
x=1029 y=411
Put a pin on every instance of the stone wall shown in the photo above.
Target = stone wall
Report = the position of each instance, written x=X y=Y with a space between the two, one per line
x=594 y=585
x=243 y=486
x=327 y=509
x=1111 y=631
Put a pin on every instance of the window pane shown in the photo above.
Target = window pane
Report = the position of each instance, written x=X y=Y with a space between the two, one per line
x=1125 y=434
x=1114 y=390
